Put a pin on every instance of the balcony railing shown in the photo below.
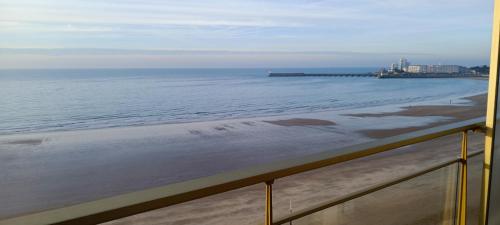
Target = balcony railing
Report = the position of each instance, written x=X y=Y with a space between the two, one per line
x=120 y=206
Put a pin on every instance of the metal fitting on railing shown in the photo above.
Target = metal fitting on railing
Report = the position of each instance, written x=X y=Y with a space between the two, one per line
x=481 y=129
x=269 y=203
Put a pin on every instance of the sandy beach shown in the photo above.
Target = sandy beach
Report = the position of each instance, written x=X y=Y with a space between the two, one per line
x=110 y=108
x=121 y=160
x=424 y=200
x=456 y=113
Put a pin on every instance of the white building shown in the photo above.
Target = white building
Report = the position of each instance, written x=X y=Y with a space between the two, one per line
x=418 y=69
x=393 y=67
x=436 y=69
x=403 y=64
x=444 y=69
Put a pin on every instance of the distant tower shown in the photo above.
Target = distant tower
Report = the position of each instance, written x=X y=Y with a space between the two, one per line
x=403 y=64
x=393 y=68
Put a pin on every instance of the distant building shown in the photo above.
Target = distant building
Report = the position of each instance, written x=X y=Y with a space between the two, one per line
x=446 y=69
x=393 y=68
x=382 y=72
x=437 y=69
x=418 y=69
x=403 y=64
x=480 y=70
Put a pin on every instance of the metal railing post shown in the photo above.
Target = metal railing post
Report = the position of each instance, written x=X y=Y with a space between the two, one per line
x=491 y=118
x=462 y=193
x=269 y=203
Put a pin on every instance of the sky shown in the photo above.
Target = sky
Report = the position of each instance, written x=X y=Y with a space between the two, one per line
x=242 y=34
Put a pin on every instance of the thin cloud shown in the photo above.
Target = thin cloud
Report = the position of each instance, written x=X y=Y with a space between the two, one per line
x=330 y=28
x=92 y=51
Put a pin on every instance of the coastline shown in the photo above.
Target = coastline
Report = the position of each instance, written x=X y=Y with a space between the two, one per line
x=454 y=112
x=245 y=206
x=134 y=158
x=303 y=190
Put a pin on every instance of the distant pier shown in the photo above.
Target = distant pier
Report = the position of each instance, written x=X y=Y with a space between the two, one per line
x=322 y=75
x=431 y=75
x=382 y=76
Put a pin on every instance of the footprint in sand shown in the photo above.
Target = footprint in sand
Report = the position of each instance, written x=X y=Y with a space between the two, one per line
x=248 y=123
x=220 y=128
x=228 y=126
x=195 y=132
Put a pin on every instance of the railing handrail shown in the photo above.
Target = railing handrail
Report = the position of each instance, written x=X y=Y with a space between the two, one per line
x=124 y=205
x=367 y=190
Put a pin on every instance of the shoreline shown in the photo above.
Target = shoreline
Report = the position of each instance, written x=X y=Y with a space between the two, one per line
x=340 y=111
x=456 y=113
x=134 y=158
x=434 y=190
x=307 y=189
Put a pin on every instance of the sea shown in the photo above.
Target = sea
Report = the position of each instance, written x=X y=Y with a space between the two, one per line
x=41 y=100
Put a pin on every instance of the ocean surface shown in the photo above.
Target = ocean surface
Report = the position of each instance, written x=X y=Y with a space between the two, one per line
x=55 y=100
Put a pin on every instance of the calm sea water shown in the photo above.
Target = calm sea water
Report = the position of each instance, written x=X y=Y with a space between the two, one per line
x=53 y=100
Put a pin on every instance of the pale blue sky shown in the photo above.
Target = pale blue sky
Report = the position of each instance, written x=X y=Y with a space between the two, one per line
x=237 y=33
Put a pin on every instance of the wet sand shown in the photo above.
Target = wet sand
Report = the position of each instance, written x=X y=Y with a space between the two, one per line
x=127 y=159
x=420 y=201
x=51 y=170
x=301 y=122
x=457 y=113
